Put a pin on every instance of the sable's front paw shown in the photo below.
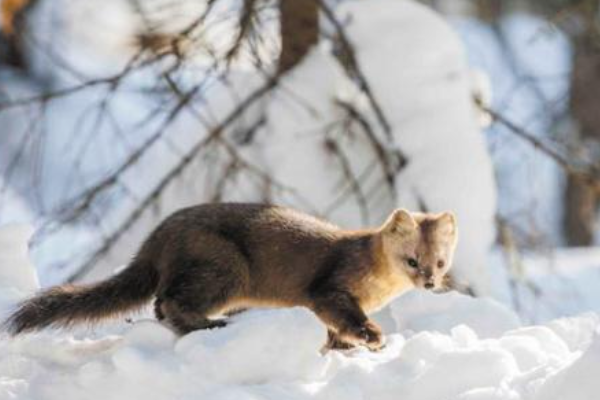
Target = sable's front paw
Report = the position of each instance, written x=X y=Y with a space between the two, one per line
x=369 y=335
x=372 y=336
x=335 y=342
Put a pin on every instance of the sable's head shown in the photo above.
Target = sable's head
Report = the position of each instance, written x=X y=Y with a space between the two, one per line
x=422 y=245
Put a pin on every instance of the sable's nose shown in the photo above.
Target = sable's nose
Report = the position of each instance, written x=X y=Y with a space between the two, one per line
x=426 y=273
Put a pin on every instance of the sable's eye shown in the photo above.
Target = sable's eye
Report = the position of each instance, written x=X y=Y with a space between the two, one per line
x=413 y=263
x=440 y=264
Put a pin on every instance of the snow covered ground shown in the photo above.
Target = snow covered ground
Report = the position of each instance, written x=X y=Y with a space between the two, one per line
x=445 y=346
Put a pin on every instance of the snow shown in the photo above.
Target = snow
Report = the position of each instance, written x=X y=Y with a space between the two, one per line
x=442 y=346
x=417 y=312
x=16 y=271
x=253 y=353
x=274 y=354
x=578 y=381
x=13 y=208
x=562 y=282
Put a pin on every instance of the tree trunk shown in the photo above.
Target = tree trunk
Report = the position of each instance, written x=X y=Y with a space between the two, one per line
x=581 y=201
x=299 y=31
x=489 y=10
x=580 y=204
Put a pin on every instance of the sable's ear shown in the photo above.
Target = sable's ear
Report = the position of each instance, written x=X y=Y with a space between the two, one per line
x=400 y=221
x=447 y=223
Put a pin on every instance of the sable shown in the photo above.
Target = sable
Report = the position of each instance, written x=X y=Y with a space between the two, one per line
x=215 y=260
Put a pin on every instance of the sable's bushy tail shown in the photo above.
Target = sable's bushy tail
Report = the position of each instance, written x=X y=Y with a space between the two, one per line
x=67 y=305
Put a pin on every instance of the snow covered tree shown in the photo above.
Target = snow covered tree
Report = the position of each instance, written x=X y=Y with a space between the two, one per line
x=299 y=103
x=581 y=199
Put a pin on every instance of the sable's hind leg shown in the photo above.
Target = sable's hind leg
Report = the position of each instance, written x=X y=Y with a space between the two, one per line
x=182 y=322
x=198 y=290
x=201 y=285
x=185 y=322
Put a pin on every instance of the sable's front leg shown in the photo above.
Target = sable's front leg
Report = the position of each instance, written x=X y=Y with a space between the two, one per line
x=341 y=312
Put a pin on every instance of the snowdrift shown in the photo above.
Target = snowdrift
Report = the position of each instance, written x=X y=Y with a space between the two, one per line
x=444 y=346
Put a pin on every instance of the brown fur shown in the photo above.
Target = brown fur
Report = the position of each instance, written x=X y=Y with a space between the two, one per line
x=218 y=259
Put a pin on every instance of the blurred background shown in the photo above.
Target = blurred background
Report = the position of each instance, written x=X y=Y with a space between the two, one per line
x=115 y=113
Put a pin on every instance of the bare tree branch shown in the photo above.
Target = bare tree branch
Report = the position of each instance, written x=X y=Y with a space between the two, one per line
x=590 y=174
x=245 y=26
x=352 y=65
x=167 y=179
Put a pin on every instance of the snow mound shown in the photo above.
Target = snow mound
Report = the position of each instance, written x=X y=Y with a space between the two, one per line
x=421 y=310
x=258 y=347
x=579 y=381
x=17 y=274
x=275 y=354
x=13 y=208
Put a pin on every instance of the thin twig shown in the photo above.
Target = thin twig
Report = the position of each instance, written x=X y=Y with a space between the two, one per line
x=589 y=174
x=353 y=66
